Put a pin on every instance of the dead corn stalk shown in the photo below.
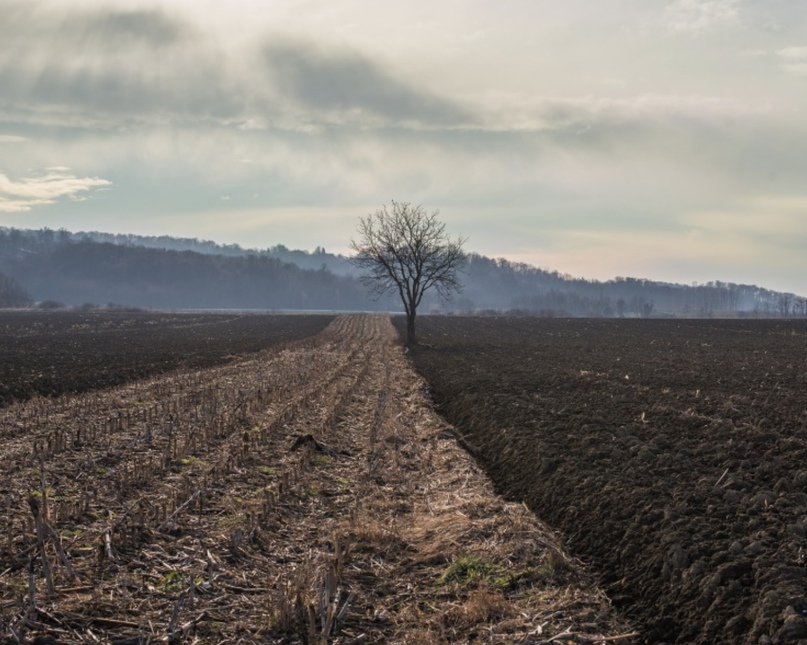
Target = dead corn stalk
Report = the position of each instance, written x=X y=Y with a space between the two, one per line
x=333 y=599
x=41 y=536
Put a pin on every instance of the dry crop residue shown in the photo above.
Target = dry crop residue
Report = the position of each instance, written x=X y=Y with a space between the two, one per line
x=305 y=494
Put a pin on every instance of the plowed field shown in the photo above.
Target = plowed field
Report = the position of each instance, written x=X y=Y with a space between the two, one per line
x=302 y=494
x=672 y=455
x=54 y=353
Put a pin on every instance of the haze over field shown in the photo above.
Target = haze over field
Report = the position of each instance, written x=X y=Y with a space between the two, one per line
x=664 y=139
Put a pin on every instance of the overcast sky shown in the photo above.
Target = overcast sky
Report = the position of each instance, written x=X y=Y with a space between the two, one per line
x=664 y=139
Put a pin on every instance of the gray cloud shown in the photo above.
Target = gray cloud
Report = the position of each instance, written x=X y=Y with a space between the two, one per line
x=794 y=60
x=779 y=17
x=40 y=33
x=99 y=66
x=115 y=68
x=699 y=15
x=349 y=85
x=148 y=27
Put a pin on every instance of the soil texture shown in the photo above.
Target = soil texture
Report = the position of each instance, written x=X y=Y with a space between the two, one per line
x=672 y=455
x=54 y=353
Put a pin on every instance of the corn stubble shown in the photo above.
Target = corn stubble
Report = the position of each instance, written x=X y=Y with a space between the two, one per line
x=305 y=494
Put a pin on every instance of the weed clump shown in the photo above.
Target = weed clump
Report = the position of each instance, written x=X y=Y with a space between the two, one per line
x=471 y=568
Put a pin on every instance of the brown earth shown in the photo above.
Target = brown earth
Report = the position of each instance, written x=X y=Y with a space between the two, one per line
x=303 y=494
x=60 y=352
x=672 y=455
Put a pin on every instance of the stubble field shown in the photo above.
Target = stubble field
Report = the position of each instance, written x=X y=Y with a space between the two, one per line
x=671 y=454
x=304 y=493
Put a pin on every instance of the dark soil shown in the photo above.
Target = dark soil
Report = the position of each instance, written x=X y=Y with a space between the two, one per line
x=672 y=455
x=53 y=353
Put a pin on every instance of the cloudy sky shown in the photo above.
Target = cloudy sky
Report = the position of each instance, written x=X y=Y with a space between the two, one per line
x=664 y=139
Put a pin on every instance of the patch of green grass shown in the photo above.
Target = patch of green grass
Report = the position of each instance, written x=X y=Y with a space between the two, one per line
x=322 y=460
x=266 y=470
x=193 y=462
x=172 y=582
x=71 y=533
x=471 y=568
x=51 y=493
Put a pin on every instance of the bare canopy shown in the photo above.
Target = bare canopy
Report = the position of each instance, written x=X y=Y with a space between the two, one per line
x=405 y=249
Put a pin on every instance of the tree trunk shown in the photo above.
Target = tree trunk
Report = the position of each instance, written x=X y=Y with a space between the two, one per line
x=410 y=329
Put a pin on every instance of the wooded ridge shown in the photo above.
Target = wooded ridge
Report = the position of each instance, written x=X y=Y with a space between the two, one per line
x=186 y=273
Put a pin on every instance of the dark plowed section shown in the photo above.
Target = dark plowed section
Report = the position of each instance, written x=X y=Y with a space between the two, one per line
x=673 y=455
x=54 y=353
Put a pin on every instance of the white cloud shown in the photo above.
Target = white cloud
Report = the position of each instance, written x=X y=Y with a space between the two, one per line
x=794 y=59
x=11 y=138
x=24 y=194
x=700 y=15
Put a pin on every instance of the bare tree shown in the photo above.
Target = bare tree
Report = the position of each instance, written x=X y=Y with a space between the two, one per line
x=783 y=303
x=406 y=250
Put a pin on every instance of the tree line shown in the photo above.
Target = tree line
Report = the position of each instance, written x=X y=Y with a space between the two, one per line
x=12 y=295
x=47 y=265
x=495 y=285
x=52 y=267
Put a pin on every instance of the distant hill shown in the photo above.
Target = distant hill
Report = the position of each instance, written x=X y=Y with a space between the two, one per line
x=337 y=264
x=185 y=273
x=58 y=266
x=500 y=284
